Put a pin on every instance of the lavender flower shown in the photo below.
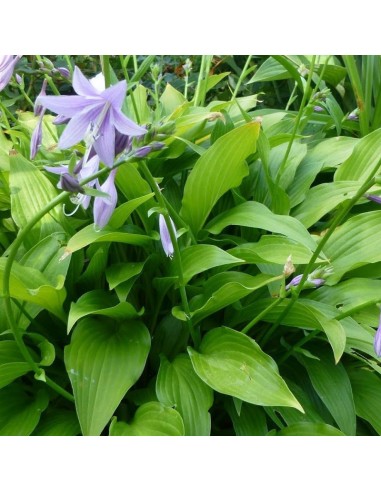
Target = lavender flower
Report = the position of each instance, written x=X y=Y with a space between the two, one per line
x=318 y=109
x=374 y=198
x=94 y=114
x=7 y=65
x=104 y=207
x=84 y=170
x=35 y=141
x=165 y=236
x=310 y=282
x=377 y=340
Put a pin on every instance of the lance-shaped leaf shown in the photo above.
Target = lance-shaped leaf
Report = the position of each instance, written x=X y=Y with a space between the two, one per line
x=100 y=303
x=258 y=216
x=220 y=291
x=151 y=419
x=178 y=385
x=221 y=168
x=234 y=364
x=103 y=361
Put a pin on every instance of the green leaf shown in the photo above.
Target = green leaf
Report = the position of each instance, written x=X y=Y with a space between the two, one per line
x=29 y=284
x=352 y=244
x=100 y=303
x=202 y=257
x=234 y=364
x=350 y=295
x=322 y=199
x=179 y=386
x=310 y=429
x=171 y=99
x=121 y=213
x=19 y=412
x=121 y=272
x=367 y=395
x=331 y=382
x=12 y=364
x=213 y=80
x=360 y=166
x=273 y=249
x=103 y=361
x=270 y=70
x=30 y=192
x=235 y=286
x=151 y=419
x=305 y=314
x=225 y=159
x=58 y=423
x=250 y=422
x=327 y=154
x=258 y=216
x=88 y=235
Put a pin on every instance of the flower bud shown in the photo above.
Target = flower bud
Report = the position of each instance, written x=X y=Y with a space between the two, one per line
x=377 y=340
x=64 y=72
x=70 y=183
x=165 y=237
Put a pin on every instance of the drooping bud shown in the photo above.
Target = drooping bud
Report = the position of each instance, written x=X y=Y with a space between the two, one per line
x=36 y=139
x=373 y=198
x=165 y=237
x=38 y=108
x=60 y=120
x=142 y=151
x=70 y=183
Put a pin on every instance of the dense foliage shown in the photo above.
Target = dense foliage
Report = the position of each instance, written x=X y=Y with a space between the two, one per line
x=189 y=245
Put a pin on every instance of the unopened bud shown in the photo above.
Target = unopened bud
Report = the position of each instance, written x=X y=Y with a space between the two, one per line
x=69 y=183
x=142 y=151
x=288 y=268
x=64 y=72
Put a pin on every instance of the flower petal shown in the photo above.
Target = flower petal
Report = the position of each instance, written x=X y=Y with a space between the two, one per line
x=125 y=125
x=104 y=207
x=82 y=86
x=77 y=127
x=36 y=139
x=165 y=237
x=104 y=144
x=64 y=105
x=115 y=94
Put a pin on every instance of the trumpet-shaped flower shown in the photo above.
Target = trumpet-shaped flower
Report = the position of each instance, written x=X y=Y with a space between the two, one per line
x=95 y=115
x=7 y=65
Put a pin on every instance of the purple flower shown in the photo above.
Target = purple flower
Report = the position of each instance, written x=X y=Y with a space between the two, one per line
x=95 y=115
x=38 y=108
x=377 y=340
x=64 y=72
x=310 y=282
x=165 y=236
x=7 y=65
x=84 y=170
x=104 y=207
x=374 y=198
x=318 y=109
x=36 y=139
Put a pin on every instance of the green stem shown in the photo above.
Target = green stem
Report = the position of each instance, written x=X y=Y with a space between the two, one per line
x=69 y=64
x=297 y=121
x=354 y=77
x=241 y=77
x=105 y=63
x=177 y=255
x=58 y=389
x=338 y=219
x=130 y=91
x=254 y=321
x=301 y=342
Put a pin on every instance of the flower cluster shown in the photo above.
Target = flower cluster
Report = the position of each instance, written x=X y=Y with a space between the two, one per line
x=93 y=115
